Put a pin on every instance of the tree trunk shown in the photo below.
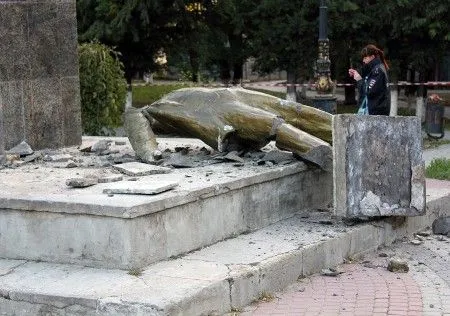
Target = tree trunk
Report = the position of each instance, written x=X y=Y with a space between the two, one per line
x=237 y=72
x=225 y=72
x=195 y=65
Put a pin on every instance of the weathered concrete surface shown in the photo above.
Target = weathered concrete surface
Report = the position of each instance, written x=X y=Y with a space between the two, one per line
x=39 y=85
x=214 y=280
x=378 y=166
x=41 y=218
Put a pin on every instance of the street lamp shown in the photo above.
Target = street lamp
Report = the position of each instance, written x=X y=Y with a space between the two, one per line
x=324 y=99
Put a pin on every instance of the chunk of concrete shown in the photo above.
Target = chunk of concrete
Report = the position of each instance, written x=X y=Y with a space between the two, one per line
x=22 y=149
x=378 y=166
x=398 y=265
x=81 y=182
x=110 y=178
x=441 y=225
x=140 y=169
x=140 y=187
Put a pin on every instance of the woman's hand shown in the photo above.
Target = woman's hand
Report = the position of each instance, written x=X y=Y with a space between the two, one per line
x=354 y=74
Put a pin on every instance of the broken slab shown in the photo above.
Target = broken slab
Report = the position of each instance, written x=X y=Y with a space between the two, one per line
x=140 y=187
x=110 y=178
x=378 y=166
x=140 y=169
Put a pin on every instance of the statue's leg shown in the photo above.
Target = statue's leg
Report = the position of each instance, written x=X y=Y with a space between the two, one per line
x=140 y=134
x=304 y=145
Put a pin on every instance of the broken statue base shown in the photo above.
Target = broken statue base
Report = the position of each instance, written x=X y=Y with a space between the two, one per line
x=378 y=166
x=44 y=219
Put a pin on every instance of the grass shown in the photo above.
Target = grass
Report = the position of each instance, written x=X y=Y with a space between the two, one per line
x=439 y=168
x=429 y=143
x=147 y=94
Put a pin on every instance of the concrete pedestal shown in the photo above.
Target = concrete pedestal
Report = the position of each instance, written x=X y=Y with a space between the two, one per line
x=378 y=166
x=44 y=220
x=325 y=103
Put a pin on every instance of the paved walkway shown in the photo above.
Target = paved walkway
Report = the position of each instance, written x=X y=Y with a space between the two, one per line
x=368 y=288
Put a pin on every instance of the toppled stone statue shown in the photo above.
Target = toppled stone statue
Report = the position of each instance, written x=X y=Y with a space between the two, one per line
x=233 y=119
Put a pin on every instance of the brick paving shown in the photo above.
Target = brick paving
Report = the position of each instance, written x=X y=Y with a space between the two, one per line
x=368 y=288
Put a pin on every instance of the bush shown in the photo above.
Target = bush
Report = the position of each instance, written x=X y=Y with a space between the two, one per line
x=103 y=88
x=439 y=168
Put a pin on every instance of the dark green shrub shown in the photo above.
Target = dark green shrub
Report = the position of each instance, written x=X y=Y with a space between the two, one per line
x=103 y=88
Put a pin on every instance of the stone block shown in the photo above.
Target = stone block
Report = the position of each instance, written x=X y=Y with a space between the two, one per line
x=39 y=86
x=378 y=166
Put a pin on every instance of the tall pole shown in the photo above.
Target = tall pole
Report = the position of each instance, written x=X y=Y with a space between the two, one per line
x=324 y=98
x=324 y=84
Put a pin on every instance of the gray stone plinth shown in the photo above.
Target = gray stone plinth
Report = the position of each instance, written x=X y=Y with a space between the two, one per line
x=378 y=166
x=39 y=83
x=87 y=227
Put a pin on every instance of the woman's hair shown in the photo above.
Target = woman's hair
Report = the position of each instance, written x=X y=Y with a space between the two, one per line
x=370 y=50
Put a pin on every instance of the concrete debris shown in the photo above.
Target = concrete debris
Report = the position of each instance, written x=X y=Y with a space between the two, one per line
x=140 y=187
x=140 y=169
x=424 y=233
x=101 y=145
x=330 y=272
x=10 y=158
x=57 y=158
x=233 y=156
x=22 y=149
x=81 y=182
x=441 y=225
x=180 y=160
x=111 y=178
x=32 y=157
x=278 y=157
x=398 y=265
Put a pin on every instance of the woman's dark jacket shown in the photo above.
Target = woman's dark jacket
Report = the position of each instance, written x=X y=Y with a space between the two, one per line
x=375 y=84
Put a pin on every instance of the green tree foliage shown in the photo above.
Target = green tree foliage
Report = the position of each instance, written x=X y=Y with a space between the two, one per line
x=138 y=28
x=190 y=36
x=284 y=36
x=280 y=34
x=230 y=24
x=103 y=88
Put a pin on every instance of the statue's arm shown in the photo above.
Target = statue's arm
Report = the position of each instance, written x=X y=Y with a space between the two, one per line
x=142 y=139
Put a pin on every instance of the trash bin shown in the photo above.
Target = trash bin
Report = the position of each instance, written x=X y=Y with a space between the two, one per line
x=434 y=118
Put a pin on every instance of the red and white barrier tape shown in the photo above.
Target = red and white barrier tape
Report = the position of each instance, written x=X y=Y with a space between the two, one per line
x=400 y=83
x=257 y=84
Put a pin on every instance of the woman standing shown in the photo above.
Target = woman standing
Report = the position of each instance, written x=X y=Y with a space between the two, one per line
x=373 y=82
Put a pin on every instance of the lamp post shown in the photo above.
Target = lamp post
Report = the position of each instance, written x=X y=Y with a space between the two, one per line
x=324 y=98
